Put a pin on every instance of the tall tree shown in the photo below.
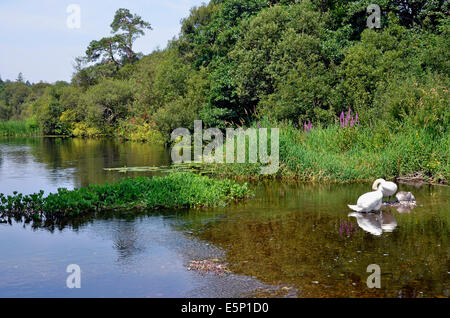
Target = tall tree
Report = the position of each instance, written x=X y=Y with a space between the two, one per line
x=20 y=77
x=132 y=27
x=118 y=48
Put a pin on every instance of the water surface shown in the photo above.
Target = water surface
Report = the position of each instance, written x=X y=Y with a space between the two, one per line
x=296 y=237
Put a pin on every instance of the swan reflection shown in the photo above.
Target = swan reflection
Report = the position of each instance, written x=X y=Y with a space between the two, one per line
x=404 y=209
x=375 y=223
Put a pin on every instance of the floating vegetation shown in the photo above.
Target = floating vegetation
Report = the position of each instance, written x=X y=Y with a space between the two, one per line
x=209 y=266
x=176 y=190
x=200 y=168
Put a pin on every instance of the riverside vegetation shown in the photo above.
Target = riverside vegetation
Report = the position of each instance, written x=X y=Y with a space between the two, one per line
x=286 y=64
x=177 y=190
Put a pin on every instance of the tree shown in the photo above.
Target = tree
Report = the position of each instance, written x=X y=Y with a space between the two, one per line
x=116 y=49
x=421 y=12
x=104 y=49
x=132 y=26
x=106 y=103
x=271 y=45
x=20 y=78
x=15 y=95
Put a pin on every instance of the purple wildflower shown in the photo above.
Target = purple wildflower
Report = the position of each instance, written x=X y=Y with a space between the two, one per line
x=307 y=126
x=349 y=120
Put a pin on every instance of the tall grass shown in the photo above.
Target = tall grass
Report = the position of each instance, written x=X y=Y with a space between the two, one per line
x=355 y=154
x=18 y=128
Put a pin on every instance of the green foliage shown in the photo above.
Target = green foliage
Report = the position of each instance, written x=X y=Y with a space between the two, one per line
x=12 y=100
x=355 y=154
x=306 y=93
x=138 y=129
x=132 y=27
x=48 y=111
x=177 y=190
x=106 y=103
x=273 y=43
x=182 y=111
x=422 y=103
x=19 y=128
x=83 y=130
x=104 y=49
x=118 y=49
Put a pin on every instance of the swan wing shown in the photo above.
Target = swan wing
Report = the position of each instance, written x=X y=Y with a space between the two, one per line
x=370 y=201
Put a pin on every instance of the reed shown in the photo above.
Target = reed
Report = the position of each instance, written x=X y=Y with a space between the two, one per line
x=18 y=128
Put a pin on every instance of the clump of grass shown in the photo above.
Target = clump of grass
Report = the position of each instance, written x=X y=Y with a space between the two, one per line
x=177 y=190
x=19 y=128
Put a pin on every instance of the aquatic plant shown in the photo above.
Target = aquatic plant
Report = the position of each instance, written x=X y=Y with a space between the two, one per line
x=198 y=168
x=176 y=190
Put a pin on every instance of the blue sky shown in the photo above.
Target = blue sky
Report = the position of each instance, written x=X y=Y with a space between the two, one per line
x=35 y=39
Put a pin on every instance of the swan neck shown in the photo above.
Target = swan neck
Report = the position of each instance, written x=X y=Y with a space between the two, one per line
x=377 y=183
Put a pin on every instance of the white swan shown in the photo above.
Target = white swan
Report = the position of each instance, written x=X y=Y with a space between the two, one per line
x=387 y=187
x=368 y=202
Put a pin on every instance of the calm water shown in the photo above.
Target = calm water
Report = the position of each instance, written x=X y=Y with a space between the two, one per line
x=292 y=239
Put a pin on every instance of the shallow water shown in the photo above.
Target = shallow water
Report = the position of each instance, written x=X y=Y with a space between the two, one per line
x=299 y=237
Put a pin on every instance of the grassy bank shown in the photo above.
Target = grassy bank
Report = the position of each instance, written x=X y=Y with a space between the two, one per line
x=359 y=153
x=21 y=128
x=177 y=190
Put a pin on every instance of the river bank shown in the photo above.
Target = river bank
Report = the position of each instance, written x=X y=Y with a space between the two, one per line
x=356 y=154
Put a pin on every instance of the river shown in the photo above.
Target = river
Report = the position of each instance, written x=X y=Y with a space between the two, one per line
x=290 y=240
